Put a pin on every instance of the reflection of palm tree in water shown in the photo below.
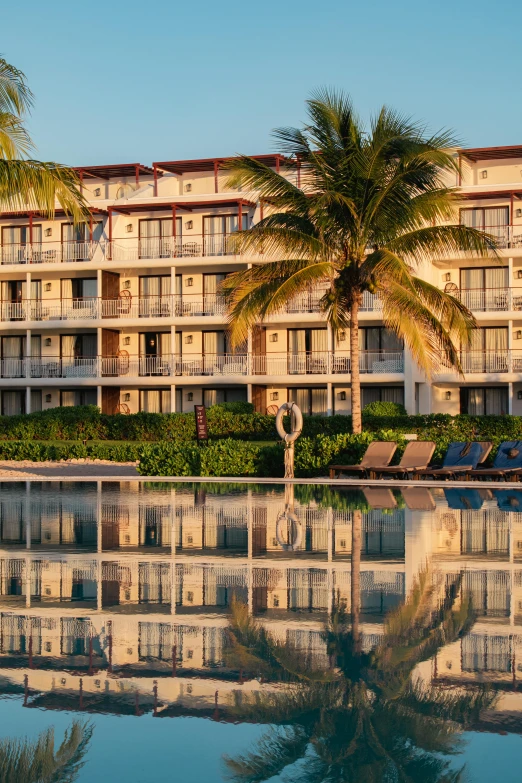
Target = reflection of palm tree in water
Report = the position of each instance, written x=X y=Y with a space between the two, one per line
x=26 y=761
x=367 y=718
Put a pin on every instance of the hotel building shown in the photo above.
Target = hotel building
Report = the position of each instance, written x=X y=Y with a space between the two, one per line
x=125 y=311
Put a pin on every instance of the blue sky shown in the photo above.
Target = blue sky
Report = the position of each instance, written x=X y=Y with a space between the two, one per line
x=119 y=82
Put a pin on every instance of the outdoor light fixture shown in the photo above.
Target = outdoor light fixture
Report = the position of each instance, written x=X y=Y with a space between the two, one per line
x=448 y=395
x=484 y=174
x=48 y=341
x=188 y=187
x=342 y=336
x=274 y=337
x=48 y=286
x=189 y=224
x=190 y=281
x=48 y=397
x=190 y=396
x=48 y=232
x=129 y=228
x=447 y=277
x=342 y=395
x=126 y=397
x=97 y=191
x=126 y=341
x=189 y=339
x=126 y=283
x=518 y=213
x=519 y=394
x=274 y=396
x=518 y=334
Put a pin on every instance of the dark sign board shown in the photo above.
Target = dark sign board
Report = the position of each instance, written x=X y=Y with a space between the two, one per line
x=201 y=422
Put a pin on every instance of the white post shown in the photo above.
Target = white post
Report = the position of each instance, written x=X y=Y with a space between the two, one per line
x=99 y=397
x=28 y=399
x=28 y=352
x=510 y=284
x=510 y=345
x=510 y=399
x=173 y=398
x=249 y=392
x=329 y=399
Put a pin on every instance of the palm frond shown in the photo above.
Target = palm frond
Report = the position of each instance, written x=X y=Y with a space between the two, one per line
x=31 y=184
x=15 y=95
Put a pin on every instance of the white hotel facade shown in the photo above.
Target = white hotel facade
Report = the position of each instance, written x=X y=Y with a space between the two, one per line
x=124 y=312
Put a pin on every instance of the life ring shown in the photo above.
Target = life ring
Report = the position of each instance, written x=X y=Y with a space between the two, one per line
x=292 y=408
x=289 y=516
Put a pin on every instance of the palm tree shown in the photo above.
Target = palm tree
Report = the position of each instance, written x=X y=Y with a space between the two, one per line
x=27 y=761
x=26 y=183
x=372 y=205
x=372 y=720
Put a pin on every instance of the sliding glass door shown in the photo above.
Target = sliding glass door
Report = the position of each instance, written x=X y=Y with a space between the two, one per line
x=156 y=238
x=307 y=351
x=217 y=229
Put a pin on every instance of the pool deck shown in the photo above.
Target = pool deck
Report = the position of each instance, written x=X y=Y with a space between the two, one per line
x=123 y=471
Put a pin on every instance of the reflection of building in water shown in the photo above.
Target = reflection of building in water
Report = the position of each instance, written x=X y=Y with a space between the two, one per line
x=138 y=579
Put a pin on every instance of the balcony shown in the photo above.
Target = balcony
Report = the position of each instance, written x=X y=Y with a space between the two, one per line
x=49 y=252
x=499 y=361
x=191 y=246
x=199 y=365
x=490 y=299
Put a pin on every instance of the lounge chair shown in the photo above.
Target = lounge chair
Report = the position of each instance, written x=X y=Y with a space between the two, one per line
x=509 y=499
x=418 y=498
x=464 y=499
x=460 y=460
x=379 y=497
x=507 y=464
x=417 y=455
x=378 y=455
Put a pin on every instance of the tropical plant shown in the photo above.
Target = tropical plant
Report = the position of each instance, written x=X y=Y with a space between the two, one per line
x=371 y=207
x=26 y=183
x=37 y=761
x=372 y=719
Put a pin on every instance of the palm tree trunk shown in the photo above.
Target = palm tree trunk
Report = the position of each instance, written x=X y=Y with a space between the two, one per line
x=355 y=581
x=354 y=364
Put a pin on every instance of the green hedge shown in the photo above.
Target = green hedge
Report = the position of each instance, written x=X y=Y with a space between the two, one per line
x=40 y=452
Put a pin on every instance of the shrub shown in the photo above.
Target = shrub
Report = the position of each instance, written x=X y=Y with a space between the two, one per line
x=378 y=408
x=38 y=451
x=235 y=407
x=225 y=457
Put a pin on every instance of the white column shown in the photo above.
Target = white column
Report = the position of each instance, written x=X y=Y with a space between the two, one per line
x=510 y=345
x=510 y=398
x=28 y=286
x=329 y=399
x=173 y=398
x=249 y=392
x=27 y=372
x=510 y=283
x=99 y=397
x=28 y=399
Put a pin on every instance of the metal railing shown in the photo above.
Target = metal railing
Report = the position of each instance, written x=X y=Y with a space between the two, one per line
x=496 y=361
x=49 y=252
x=171 y=365
x=189 y=246
x=490 y=299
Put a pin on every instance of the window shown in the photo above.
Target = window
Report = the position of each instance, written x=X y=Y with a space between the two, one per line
x=13 y=403
x=308 y=351
x=216 y=229
x=15 y=240
x=310 y=401
x=484 y=401
x=492 y=219
x=484 y=278
x=75 y=397
x=155 y=400
x=156 y=238
x=79 y=289
x=77 y=347
x=488 y=351
x=216 y=396
x=378 y=338
x=381 y=394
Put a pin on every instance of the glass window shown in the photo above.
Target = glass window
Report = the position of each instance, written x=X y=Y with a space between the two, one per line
x=13 y=403
x=484 y=401
x=155 y=400
x=310 y=401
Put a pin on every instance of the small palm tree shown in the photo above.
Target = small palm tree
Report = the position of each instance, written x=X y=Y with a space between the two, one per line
x=27 y=761
x=371 y=207
x=26 y=183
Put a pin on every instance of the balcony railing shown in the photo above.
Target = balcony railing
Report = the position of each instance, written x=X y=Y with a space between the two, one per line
x=49 y=252
x=190 y=246
x=496 y=361
x=490 y=299
x=172 y=365
x=506 y=236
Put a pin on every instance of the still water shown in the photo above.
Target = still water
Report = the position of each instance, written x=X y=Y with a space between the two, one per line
x=259 y=633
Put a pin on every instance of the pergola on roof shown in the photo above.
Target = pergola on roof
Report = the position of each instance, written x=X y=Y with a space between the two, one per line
x=492 y=153
x=210 y=164
x=113 y=170
x=126 y=209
